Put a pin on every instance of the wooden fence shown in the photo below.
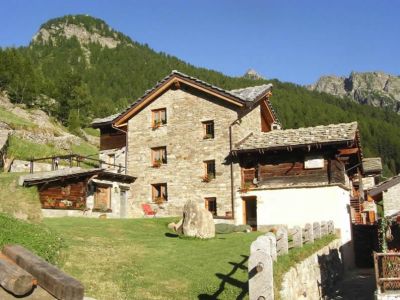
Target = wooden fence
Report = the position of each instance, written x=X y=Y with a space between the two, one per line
x=266 y=249
x=387 y=272
x=73 y=160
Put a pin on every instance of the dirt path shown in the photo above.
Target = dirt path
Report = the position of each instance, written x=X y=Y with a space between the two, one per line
x=358 y=284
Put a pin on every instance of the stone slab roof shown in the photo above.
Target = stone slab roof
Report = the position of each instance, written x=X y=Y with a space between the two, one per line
x=244 y=95
x=276 y=139
x=372 y=165
x=40 y=177
x=383 y=186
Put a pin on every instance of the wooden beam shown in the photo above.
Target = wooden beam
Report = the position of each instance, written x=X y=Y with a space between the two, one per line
x=13 y=278
x=57 y=283
x=349 y=151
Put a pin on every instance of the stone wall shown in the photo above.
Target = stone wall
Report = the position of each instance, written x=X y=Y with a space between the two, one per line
x=391 y=200
x=186 y=150
x=118 y=158
x=314 y=277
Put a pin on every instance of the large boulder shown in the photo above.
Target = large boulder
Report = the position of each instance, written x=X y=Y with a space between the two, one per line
x=197 y=221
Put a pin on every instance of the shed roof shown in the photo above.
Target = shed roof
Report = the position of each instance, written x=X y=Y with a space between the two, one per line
x=243 y=96
x=41 y=177
x=372 y=165
x=383 y=186
x=292 y=138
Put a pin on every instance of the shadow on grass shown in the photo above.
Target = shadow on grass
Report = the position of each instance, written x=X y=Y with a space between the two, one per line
x=228 y=279
x=171 y=235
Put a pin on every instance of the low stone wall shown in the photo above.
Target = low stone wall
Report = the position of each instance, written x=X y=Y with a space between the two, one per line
x=315 y=276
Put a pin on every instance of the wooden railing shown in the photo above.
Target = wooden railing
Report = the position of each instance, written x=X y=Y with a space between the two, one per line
x=73 y=160
x=387 y=271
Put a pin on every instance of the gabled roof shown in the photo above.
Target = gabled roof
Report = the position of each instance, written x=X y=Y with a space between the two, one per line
x=383 y=186
x=294 y=138
x=240 y=97
x=372 y=165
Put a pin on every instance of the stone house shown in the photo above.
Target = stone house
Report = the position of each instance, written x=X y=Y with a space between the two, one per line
x=388 y=194
x=176 y=140
x=298 y=176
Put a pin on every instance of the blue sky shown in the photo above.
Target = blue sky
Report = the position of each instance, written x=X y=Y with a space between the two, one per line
x=295 y=41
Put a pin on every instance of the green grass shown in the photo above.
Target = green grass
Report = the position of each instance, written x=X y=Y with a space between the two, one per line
x=135 y=259
x=25 y=150
x=18 y=201
x=14 y=121
x=296 y=255
x=36 y=237
x=92 y=131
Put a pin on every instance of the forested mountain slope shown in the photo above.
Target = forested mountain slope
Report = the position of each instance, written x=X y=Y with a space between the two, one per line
x=77 y=68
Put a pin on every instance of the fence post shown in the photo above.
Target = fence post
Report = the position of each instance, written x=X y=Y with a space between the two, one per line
x=331 y=227
x=282 y=245
x=261 y=243
x=31 y=166
x=297 y=237
x=308 y=234
x=317 y=230
x=260 y=272
x=324 y=228
x=272 y=243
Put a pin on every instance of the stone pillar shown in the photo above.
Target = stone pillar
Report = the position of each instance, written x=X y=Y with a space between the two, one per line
x=282 y=246
x=272 y=243
x=324 y=228
x=308 y=234
x=297 y=237
x=331 y=227
x=261 y=282
x=317 y=230
x=261 y=243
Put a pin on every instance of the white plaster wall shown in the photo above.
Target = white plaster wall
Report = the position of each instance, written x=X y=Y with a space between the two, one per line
x=298 y=206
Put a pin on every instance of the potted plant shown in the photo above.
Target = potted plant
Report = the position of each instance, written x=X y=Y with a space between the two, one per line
x=158 y=200
x=157 y=163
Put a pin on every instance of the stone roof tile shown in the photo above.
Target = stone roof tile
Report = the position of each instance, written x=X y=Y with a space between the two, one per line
x=324 y=134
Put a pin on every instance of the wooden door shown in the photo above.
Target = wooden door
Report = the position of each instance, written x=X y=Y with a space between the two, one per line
x=102 y=199
x=250 y=211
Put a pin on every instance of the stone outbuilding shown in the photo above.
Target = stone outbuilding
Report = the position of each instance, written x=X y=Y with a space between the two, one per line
x=81 y=192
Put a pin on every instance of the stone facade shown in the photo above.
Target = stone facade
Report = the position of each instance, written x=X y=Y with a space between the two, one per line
x=391 y=200
x=115 y=157
x=186 y=150
x=314 y=277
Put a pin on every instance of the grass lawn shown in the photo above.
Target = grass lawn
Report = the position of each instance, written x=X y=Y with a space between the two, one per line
x=141 y=259
x=18 y=201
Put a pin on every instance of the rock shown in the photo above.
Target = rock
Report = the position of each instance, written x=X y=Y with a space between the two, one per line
x=253 y=74
x=177 y=227
x=197 y=221
x=372 y=88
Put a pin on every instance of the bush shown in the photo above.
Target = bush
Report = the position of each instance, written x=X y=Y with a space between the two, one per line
x=35 y=237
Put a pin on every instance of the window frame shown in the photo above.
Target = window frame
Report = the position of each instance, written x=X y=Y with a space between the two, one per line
x=206 y=135
x=208 y=176
x=155 y=192
x=207 y=201
x=160 y=161
x=156 y=114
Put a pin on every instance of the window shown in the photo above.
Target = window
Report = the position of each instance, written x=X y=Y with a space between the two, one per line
x=211 y=205
x=158 y=156
x=159 y=193
x=158 y=117
x=209 y=170
x=208 y=130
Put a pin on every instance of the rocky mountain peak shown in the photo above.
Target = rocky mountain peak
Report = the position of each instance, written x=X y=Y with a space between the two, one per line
x=378 y=89
x=84 y=28
x=252 y=74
